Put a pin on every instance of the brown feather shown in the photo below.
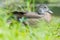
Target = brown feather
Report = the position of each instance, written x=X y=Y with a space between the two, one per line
x=33 y=15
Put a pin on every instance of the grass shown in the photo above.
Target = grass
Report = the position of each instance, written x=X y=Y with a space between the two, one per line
x=42 y=31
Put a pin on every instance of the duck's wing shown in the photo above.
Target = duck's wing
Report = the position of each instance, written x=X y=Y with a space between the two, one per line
x=32 y=15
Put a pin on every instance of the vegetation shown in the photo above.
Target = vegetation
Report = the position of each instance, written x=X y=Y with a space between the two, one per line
x=17 y=31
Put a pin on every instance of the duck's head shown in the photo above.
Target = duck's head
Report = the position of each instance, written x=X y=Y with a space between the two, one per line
x=43 y=8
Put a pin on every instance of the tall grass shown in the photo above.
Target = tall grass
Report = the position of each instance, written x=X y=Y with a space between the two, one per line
x=42 y=31
x=17 y=31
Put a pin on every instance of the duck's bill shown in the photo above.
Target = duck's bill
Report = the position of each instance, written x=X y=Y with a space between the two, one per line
x=50 y=12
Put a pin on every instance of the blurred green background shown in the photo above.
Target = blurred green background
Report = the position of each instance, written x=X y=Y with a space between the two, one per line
x=41 y=31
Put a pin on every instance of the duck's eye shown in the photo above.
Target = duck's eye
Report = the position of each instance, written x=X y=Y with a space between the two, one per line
x=44 y=7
